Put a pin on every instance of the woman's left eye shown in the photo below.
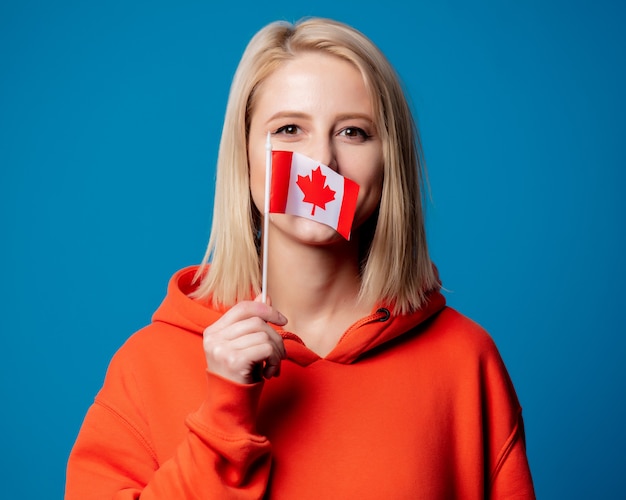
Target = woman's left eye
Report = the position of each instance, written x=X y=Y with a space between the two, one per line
x=290 y=129
x=354 y=132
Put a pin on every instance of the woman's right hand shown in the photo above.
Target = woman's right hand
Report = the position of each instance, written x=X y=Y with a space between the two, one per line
x=241 y=346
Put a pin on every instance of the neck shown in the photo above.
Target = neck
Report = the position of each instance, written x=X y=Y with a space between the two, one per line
x=316 y=288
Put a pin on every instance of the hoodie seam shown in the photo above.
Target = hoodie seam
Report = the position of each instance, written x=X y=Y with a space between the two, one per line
x=506 y=450
x=377 y=316
x=132 y=428
x=232 y=438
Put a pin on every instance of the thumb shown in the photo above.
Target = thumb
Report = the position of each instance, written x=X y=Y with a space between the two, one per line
x=259 y=298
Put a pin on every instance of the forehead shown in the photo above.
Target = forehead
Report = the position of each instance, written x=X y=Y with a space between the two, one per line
x=314 y=79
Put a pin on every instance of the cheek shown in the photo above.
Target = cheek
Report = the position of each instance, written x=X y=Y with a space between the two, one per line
x=257 y=189
x=370 y=200
x=371 y=180
x=256 y=167
x=370 y=193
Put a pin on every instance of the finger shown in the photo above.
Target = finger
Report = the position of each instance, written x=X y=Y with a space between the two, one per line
x=267 y=334
x=259 y=298
x=249 y=309
x=252 y=339
x=271 y=370
x=241 y=364
x=271 y=365
x=228 y=352
x=242 y=329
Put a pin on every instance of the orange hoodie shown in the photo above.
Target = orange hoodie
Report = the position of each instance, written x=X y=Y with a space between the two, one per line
x=405 y=407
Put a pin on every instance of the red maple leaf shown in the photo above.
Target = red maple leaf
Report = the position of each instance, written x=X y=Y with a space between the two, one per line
x=314 y=189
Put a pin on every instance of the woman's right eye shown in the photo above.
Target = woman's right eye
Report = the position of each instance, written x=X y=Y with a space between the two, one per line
x=288 y=129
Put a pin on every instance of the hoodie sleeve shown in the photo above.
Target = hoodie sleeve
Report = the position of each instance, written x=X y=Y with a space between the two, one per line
x=220 y=457
x=511 y=477
x=509 y=471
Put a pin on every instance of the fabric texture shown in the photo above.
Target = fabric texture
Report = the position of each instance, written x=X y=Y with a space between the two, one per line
x=405 y=407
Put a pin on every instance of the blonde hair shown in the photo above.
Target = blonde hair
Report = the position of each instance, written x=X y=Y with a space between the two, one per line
x=396 y=268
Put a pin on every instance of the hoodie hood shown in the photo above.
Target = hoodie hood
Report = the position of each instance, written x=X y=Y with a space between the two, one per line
x=370 y=332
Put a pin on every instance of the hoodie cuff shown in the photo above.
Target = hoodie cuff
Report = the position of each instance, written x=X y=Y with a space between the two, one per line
x=230 y=408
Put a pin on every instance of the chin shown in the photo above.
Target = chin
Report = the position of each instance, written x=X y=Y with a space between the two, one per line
x=306 y=231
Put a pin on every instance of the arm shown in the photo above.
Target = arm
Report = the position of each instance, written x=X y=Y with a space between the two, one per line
x=511 y=477
x=220 y=457
x=221 y=454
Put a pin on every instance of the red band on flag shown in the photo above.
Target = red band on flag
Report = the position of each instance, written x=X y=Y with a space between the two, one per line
x=281 y=174
x=348 y=207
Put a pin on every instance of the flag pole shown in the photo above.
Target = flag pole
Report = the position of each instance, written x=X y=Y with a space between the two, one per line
x=266 y=214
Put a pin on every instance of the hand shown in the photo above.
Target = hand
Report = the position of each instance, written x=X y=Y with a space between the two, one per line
x=241 y=346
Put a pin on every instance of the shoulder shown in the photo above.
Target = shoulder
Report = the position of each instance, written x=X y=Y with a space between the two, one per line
x=155 y=356
x=465 y=349
x=154 y=343
x=452 y=330
x=475 y=351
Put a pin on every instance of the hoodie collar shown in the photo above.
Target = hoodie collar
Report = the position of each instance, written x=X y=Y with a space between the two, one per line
x=370 y=332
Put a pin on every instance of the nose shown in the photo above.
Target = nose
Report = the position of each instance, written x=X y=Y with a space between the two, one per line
x=323 y=150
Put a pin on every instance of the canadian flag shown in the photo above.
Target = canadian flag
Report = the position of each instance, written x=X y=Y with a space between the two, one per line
x=304 y=187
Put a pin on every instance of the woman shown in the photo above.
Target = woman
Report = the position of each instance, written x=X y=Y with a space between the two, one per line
x=355 y=380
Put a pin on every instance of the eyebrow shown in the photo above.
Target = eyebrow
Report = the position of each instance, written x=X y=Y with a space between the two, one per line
x=288 y=114
x=301 y=115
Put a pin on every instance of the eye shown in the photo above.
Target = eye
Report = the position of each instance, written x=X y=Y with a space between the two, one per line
x=355 y=133
x=290 y=129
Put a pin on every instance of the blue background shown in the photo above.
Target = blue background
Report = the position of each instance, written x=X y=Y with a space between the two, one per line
x=110 y=118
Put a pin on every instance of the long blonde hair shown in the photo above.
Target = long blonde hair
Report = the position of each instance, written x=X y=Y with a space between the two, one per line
x=396 y=268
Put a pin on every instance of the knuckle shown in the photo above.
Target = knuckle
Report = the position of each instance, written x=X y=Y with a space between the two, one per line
x=264 y=336
x=254 y=308
x=218 y=352
x=210 y=333
x=267 y=350
x=208 y=341
x=232 y=361
x=257 y=323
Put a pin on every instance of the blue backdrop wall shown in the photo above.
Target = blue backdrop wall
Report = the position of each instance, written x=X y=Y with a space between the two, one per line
x=110 y=115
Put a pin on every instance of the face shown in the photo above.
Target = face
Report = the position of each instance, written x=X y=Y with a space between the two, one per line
x=317 y=104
